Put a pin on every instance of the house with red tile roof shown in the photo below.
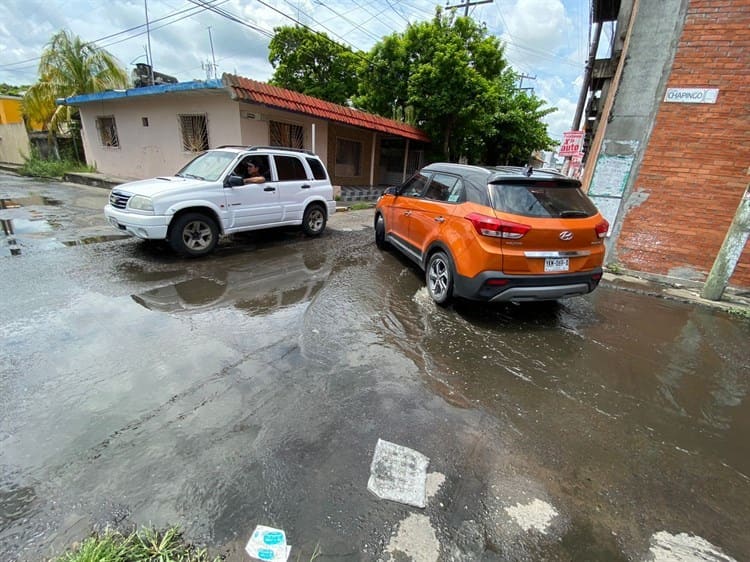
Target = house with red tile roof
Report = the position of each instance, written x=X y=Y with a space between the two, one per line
x=154 y=130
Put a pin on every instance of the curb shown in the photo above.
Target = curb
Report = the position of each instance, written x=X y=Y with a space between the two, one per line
x=93 y=180
x=731 y=301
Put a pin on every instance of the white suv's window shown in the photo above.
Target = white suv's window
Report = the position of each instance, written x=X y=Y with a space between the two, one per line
x=319 y=172
x=208 y=166
x=290 y=168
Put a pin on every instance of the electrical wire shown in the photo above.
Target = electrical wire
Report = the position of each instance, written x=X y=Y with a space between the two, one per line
x=231 y=17
x=355 y=51
x=397 y=12
x=346 y=19
x=193 y=11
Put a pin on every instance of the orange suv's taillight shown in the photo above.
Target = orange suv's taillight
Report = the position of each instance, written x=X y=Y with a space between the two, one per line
x=602 y=228
x=497 y=228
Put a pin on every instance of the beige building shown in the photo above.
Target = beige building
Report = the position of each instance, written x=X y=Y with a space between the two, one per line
x=155 y=130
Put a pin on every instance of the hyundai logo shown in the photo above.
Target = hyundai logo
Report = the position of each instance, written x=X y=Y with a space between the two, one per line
x=566 y=235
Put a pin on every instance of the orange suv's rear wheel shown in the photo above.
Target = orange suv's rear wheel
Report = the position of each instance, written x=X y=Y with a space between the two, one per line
x=439 y=278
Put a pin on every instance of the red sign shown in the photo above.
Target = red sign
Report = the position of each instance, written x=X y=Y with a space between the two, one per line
x=572 y=143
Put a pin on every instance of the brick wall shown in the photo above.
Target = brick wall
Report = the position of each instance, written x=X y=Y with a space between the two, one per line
x=695 y=167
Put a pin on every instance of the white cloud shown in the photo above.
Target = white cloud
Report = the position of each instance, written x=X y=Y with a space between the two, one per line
x=541 y=23
x=559 y=121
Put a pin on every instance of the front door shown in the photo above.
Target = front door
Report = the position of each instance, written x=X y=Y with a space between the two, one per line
x=432 y=210
x=254 y=204
x=398 y=219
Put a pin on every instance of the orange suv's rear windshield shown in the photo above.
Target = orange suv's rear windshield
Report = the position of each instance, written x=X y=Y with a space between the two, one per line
x=541 y=199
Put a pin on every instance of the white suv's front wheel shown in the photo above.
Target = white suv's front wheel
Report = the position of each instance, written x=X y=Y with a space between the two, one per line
x=194 y=234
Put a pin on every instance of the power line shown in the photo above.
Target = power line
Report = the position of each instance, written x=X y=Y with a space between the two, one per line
x=342 y=16
x=384 y=18
x=232 y=17
x=193 y=11
x=318 y=33
x=397 y=12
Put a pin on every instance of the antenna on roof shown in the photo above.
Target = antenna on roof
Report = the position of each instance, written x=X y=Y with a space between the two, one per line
x=148 y=35
x=529 y=171
x=213 y=57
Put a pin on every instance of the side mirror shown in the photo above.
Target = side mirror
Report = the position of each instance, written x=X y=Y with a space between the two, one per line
x=233 y=181
x=393 y=190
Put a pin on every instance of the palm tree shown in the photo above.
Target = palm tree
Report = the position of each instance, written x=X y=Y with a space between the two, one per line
x=69 y=67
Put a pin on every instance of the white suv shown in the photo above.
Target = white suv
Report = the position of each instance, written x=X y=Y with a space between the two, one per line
x=209 y=198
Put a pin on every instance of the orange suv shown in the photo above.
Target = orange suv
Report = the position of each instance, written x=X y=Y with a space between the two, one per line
x=495 y=233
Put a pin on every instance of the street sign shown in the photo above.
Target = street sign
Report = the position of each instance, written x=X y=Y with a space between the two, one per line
x=572 y=143
x=691 y=95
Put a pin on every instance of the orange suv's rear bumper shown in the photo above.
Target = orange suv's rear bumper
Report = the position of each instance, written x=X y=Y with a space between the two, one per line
x=495 y=286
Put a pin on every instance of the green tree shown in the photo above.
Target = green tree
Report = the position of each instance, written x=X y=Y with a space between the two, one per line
x=516 y=130
x=311 y=63
x=69 y=67
x=447 y=70
x=10 y=90
x=452 y=77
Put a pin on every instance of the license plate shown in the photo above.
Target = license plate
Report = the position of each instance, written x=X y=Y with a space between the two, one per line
x=556 y=264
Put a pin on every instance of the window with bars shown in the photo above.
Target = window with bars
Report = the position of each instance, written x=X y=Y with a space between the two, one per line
x=286 y=134
x=194 y=131
x=348 y=158
x=107 y=130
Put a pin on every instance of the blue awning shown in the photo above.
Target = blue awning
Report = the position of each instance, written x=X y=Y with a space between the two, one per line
x=144 y=91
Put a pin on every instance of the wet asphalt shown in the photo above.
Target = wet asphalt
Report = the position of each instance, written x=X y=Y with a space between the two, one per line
x=251 y=387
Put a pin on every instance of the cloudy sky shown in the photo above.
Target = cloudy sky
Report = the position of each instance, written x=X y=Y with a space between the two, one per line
x=545 y=39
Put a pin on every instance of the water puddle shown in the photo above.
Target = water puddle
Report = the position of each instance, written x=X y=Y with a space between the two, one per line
x=23 y=224
x=15 y=504
x=15 y=220
x=276 y=279
x=28 y=201
x=94 y=240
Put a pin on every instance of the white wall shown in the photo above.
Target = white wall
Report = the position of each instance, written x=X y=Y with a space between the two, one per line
x=156 y=149
x=256 y=131
x=14 y=143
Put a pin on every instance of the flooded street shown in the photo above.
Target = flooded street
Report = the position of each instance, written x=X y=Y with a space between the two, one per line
x=251 y=387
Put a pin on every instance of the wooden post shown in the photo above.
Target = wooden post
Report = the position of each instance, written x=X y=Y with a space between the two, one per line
x=730 y=251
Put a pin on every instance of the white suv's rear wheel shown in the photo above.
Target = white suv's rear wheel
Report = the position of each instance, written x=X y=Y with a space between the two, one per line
x=314 y=220
x=194 y=234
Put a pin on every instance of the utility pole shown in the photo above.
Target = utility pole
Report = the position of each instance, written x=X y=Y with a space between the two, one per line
x=730 y=252
x=520 y=82
x=465 y=5
x=587 y=77
x=575 y=126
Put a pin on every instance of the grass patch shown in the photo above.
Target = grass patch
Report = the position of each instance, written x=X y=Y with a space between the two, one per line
x=360 y=206
x=145 y=545
x=614 y=268
x=740 y=312
x=38 y=167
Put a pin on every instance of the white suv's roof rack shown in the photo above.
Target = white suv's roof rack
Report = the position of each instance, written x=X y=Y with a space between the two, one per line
x=284 y=148
x=279 y=148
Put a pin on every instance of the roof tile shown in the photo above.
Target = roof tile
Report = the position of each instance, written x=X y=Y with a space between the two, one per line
x=245 y=89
